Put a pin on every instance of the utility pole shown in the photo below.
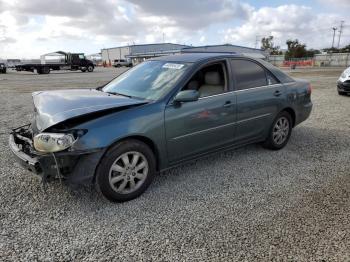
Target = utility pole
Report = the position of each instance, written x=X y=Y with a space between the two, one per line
x=257 y=38
x=163 y=37
x=334 y=29
x=340 y=32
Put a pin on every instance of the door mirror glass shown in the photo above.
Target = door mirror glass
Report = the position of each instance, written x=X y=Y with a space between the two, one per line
x=187 y=96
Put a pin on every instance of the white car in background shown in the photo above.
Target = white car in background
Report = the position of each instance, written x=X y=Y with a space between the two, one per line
x=122 y=62
x=344 y=82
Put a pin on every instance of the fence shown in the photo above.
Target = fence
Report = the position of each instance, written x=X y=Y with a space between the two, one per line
x=337 y=59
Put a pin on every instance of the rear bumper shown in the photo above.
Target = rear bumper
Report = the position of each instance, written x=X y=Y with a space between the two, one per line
x=304 y=113
x=74 y=167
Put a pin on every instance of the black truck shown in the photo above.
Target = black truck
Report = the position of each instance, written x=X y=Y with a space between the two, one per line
x=2 y=68
x=63 y=61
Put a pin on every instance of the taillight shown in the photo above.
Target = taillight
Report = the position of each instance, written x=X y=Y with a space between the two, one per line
x=309 y=89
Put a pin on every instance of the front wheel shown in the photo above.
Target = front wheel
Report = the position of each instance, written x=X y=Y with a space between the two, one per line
x=90 y=68
x=341 y=93
x=280 y=132
x=126 y=171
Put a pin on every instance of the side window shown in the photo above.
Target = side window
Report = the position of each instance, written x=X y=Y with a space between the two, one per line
x=271 y=79
x=248 y=74
x=208 y=81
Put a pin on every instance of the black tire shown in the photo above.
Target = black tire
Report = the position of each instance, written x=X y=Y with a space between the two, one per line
x=118 y=65
x=39 y=71
x=270 y=142
x=342 y=93
x=83 y=70
x=104 y=173
x=90 y=68
x=46 y=70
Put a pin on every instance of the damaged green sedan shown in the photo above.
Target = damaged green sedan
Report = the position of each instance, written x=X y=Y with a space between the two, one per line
x=157 y=115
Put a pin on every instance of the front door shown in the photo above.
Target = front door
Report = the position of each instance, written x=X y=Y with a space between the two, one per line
x=194 y=128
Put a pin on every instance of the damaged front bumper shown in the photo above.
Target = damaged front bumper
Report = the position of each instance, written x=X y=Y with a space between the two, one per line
x=76 y=167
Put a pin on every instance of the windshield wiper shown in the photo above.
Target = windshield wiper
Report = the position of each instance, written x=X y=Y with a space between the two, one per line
x=118 y=94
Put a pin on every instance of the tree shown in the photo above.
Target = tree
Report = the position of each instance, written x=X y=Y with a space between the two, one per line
x=345 y=49
x=268 y=45
x=296 y=50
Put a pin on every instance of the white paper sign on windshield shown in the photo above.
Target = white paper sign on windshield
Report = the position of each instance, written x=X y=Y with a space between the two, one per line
x=173 y=66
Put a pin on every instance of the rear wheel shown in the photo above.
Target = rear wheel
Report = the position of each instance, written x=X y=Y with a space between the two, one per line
x=126 y=171
x=280 y=132
x=46 y=70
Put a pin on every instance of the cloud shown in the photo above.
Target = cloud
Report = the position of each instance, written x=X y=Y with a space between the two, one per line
x=89 y=25
x=335 y=3
x=195 y=14
x=7 y=40
x=285 y=22
x=68 y=8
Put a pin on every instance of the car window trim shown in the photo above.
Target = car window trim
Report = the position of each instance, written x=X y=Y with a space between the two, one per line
x=237 y=91
x=242 y=90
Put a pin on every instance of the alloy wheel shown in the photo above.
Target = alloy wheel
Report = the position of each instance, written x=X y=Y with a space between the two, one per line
x=128 y=172
x=280 y=130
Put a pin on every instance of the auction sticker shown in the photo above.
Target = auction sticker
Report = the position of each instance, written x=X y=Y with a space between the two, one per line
x=173 y=66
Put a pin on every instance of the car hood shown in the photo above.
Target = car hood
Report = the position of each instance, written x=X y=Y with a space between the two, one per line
x=53 y=107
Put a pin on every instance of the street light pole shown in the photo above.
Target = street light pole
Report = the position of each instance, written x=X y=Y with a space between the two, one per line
x=340 y=32
x=334 y=30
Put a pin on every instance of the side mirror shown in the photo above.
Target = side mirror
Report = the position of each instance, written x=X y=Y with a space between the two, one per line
x=187 y=96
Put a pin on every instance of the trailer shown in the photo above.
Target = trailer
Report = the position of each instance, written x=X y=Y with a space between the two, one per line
x=58 y=61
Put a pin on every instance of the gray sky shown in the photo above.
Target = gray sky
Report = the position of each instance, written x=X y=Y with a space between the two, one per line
x=29 y=28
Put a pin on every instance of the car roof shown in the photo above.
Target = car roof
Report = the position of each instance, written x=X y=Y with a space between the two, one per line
x=193 y=57
x=199 y=57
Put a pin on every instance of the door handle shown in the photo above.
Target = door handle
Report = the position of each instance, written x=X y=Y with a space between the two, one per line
x=227 y=104
x=277 y=93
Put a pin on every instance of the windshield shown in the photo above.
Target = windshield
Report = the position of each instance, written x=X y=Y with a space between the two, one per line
x=148 y=80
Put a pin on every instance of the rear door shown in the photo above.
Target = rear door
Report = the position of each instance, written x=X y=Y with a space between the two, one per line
x=259 y=98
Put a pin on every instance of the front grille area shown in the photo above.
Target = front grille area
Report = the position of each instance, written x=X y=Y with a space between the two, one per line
x=23 y=137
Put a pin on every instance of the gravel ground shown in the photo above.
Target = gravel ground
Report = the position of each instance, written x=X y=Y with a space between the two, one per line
x=248 y=204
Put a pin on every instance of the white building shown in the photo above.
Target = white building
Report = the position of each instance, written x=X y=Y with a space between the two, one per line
x=227 y=48
x=139 y=53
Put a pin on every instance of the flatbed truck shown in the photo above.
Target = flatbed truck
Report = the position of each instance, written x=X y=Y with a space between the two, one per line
x=66 y=61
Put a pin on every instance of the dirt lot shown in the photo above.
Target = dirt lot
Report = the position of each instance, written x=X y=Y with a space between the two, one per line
x=248 y=204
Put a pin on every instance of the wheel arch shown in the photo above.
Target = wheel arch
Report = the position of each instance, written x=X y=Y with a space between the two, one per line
x=149 y=142
x=290 y=111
